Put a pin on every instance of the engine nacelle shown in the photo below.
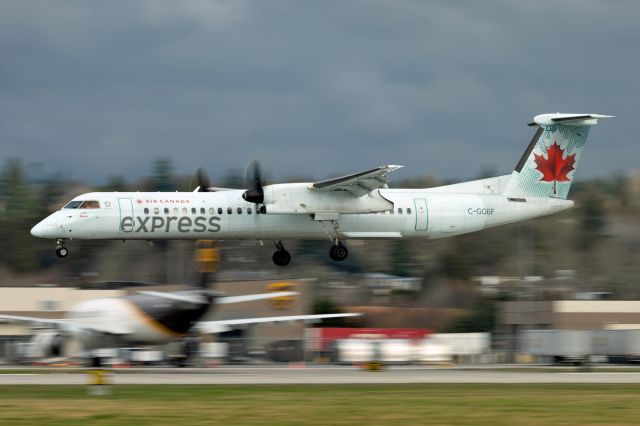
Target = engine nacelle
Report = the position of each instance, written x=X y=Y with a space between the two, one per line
x=49 y=344
x=298 y=198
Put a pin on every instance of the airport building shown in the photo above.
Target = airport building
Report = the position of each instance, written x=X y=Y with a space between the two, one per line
x=517 y=318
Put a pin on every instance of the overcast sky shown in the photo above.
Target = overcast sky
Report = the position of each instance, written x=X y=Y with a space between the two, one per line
x=98 y=88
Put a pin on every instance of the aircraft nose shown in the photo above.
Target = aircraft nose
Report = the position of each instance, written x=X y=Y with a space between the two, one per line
x=39 y=230
x=45 y=229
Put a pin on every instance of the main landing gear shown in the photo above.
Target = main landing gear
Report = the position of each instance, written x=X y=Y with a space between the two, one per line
x=338 y=252
x=61 y=250
x=281 y=256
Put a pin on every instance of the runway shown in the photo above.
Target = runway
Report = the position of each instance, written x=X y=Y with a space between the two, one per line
x=247 y=375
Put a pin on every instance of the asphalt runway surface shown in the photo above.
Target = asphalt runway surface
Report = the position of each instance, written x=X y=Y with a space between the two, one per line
x=245 y=375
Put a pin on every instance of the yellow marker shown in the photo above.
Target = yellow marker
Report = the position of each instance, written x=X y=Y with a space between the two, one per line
x=207 y=256
x=281 y=302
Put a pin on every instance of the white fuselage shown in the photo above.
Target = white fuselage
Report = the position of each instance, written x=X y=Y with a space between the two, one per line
x=113 y=322
x=431 y=213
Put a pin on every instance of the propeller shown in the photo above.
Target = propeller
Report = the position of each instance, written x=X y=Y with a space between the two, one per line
x=253 y=183
x=202 y=180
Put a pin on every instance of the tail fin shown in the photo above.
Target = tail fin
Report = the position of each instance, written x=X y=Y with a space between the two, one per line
x=547 y=167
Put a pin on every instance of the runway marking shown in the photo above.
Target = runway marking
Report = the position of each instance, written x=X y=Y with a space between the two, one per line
x=20 y=374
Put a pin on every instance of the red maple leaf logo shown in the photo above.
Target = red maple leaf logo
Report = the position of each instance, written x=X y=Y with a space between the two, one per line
x=555 y=168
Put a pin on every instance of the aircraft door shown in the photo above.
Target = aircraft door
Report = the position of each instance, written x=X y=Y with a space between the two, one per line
x=422 y=220
x=125 y=206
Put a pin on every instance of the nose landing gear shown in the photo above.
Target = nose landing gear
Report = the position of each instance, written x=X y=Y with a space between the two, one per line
x=281 y=256
x=338 y=252
x=61 y=250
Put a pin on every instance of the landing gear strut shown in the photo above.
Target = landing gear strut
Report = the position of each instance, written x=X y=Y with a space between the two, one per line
x=338 y=252
x=61 y=250
x=281 y=256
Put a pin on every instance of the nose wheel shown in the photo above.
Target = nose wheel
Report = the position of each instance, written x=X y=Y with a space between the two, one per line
x=338 y=252
x=61 y=250
x=281 y=257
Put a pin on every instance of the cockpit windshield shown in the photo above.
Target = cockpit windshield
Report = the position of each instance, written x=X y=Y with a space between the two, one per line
x=78 y=204
x=90 y=205
x=73 y=205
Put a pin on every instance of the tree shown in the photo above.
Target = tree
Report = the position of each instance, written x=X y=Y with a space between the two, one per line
x=401 y=259
x=21 y=211
x=162 y=175
x=328 y=306
x=591 y=220
x=481 y=318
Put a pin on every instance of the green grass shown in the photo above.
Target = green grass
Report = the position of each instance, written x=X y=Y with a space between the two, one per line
x=324 y=405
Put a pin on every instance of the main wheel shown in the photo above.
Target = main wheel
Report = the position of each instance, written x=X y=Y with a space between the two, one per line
x=338 y=253
x=62 y=252
x=281 y=257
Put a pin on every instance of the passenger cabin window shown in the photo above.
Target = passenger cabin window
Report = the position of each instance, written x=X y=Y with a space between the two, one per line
x=219 y=210
x=248 y=210
x=90 y=205
x=212 y=210
x=193 y=210
x=229 y=210
x=175 y=210
x=202 y=210
x=408 y=210
x=184 y=210
x=239 y=210
x=73 y=205
x=166 y=210
x=146 y=210
x=156 y=210
x=400 y=211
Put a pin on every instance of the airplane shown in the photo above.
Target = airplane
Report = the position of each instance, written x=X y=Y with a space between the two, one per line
x=146 y=318
x=357 y=206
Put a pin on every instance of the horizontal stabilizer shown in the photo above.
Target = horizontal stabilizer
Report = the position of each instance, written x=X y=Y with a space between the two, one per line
x=569 y=119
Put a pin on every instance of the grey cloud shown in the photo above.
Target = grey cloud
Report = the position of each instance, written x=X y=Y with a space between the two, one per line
x=314 y=88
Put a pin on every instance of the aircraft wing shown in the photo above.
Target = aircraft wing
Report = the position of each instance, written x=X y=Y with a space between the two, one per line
x=64 y=324
x=16 y=319
x=196 y=299
x=252 y=297
x=358 y=184
x=225 y=325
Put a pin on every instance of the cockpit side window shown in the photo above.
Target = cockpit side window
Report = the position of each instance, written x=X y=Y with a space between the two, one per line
x=90 y=205
x=73 y=205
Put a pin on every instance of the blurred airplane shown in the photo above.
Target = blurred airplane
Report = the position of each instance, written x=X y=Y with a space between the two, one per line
x=357 y=206
x=146 y=318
